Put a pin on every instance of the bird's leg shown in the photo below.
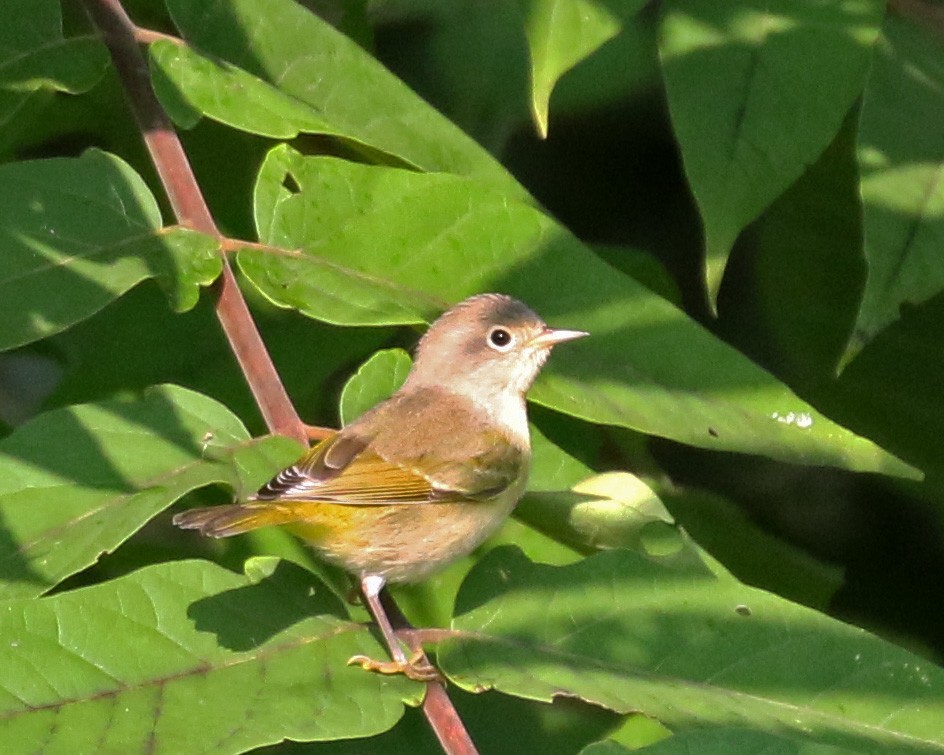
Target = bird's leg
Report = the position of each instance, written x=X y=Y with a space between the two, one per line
x=416 y=666
x=316 y=433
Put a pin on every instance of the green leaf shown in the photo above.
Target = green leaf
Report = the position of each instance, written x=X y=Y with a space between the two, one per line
x=377 y=379
x=689 y=650
x=647 y=366
x=892 y=390
x=756 y=92
x=35 y=60
x=723 y=740
x=77 y=233
x=611 y=510
x=191 y=85
x=188 y=657
x=560 y=34
x=750 y=552
x=302 y=73
x=901 y=164
x=808 y=272
x=77 y=482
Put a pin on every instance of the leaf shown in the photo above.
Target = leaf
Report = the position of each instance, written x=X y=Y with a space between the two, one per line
x=756 y=92
x=610 y=510
x=77 y=482
x=188 y=657
x=723 y=740
x=560 y=34
x=892 y=390
x=647 y=366
x=689 y=650
x=808 y=272
x=77 y=233
x=750 y=552
x=191 y=85
x=375 y=380
x=901 y=165
x=35 y=60
x=302 y=72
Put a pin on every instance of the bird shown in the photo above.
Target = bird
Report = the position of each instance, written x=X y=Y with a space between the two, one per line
x=425 y=476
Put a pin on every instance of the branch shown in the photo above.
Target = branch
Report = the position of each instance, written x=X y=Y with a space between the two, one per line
x=930 y=14
x=190 y=208
x=121 y=37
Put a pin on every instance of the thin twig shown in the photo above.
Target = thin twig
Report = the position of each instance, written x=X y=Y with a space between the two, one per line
x=121 y=37
x=931 y=14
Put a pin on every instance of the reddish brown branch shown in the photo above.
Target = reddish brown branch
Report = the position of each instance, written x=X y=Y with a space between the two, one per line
x=122 y=38
x=173 y=168
x=449 y=729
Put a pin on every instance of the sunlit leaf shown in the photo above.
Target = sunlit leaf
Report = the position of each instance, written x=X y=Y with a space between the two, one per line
x=301 y=74
x=77 y=482
x=560 y=34
x=188 y=657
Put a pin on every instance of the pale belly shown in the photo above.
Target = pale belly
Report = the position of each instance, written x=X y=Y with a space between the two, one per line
x=405 y=542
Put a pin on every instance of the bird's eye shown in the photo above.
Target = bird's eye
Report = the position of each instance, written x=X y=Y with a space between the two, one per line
x=500 y=339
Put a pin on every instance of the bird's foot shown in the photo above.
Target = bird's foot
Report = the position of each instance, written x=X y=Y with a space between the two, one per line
x=417 y=667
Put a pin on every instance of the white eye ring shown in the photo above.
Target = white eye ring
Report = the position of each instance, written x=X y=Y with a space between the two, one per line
x=500 y=339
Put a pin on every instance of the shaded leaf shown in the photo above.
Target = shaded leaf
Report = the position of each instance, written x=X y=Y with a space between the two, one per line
x=35 y=60
x=320 y=75
x=77 y=233
x=756 y=92
x=647 y=366
x=722 y=740
x=901 y=161
x=689 y=650
x=808 y=273
x=750 y=552
x=77 y=482
x=188 y=657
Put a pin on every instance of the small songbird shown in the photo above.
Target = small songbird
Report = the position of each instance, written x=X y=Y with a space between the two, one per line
x=426 y=475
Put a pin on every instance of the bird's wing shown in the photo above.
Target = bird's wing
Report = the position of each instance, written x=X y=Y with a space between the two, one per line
x=344 y=469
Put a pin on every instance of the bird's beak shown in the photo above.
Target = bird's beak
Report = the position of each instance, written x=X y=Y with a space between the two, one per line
x=552 y=336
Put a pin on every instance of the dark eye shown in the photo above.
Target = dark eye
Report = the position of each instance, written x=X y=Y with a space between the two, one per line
x=500 y=339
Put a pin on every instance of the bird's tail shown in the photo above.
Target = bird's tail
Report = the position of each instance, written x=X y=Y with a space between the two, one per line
x=234 y=519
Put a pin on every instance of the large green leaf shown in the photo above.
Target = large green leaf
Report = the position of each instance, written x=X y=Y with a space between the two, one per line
x=756 y=92
x=188 y=657
x=75 y=234
x=647 y=366
x=36 y=60
x=689 y=650
x=77 y=482
x=299 y=73
x=901 y=161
